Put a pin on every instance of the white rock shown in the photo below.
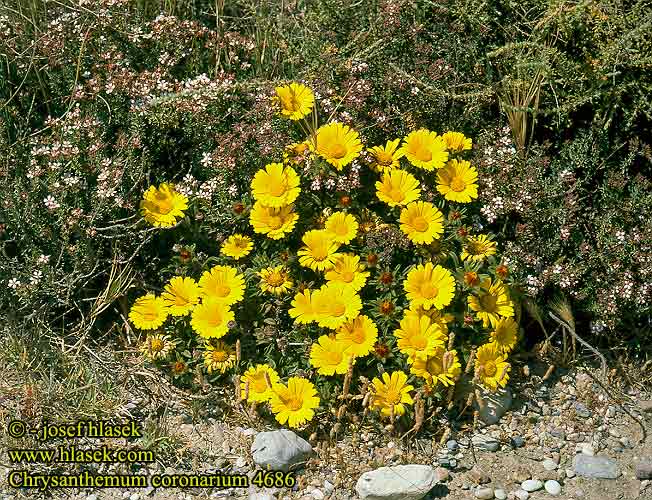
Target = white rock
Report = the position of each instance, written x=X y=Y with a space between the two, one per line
x=329 y=487
x=483 y=493
x=531 y=485
x=280 y=450
x=500 y=494
x=317 y=494
x=134 y=496
x=570 y=473
x=521 y=494
x=549 y=464
x=553 y=487
x=401 y=482
x=91 y=497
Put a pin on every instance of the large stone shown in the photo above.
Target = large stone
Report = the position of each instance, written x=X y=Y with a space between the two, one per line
x=531 y=485
x=487 y=443
x=280 y=450
x=484 y=493
x=400 y=482
x=644 y=469
x=595 y=467
x=494 y=405
x=553 y=487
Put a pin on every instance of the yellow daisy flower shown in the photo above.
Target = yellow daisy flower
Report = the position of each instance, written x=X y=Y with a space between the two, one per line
x=359 y=334
x=275 y=185
x=428 y=286
x=456 y=142
x=181 y=295
x=386 y=157
x=392 y=392
x=418 y=336
x=218 y=356
x=275 y=280
x=457 y=181
x=330 y=356
x=295 y=100
x=435 y=316
x=491 y=302
x=422 y=222
x=439 y=367
x=348 y=270
x=338 y=144
x=148 y=312
x=505 y=335
x=398 y=188
x=294 y=403
x=237 y=246
x=491 y=368
x=161 y=206
x=342 y=226
x=477 y=248
x=319 y=250
x=258 y=388
x=334 y=304
x=223 y=283
x=157 y=346
x=303 y=309
x=273 y=222
x=425 y=149
x=211 y=318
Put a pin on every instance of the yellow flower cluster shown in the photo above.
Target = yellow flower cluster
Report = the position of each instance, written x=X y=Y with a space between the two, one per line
x=325 y=284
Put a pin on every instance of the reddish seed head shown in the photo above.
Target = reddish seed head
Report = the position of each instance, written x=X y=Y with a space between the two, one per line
x=386 y=307
x=372 y=259
x=455 y=215
x=238 y=207
x=502 y=271
x=185 y=255
x=386 y=278
x=463 y=232
x=471 y=278
x=468 y=319
x=381 y=350
x=345 y=200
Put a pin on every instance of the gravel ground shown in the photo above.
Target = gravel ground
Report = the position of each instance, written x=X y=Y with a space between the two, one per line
x=548 y=423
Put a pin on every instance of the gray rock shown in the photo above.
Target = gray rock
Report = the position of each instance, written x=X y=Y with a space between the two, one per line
x=494 y=405
x=581 y=410
x=487 y=443
x=479 y=475
x=646 y=405
x=595 y=467
x=532 y=485
x=518 y=442
x=401 y=482
x=521 y=494
x=558 y=433
x=452 y=445
x=644 y=469
x=317 y=494
x=280 y=450
x=91 y=497
x=549 y=464
x=329 y=487
x=553 y=487
x=500 y=494
x=484 y=493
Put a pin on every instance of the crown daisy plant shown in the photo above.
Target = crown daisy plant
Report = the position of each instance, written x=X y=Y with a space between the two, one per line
x=348 y=280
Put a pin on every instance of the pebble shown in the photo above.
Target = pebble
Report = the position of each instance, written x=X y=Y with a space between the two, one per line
x=91 y=497
x=581 y=410
x=280 y=450
x=549 y=464
x=484 y=493
x=408 y=482
x=329 y=487
x=644 y=469
x=134 y=496
x=646 y=406
x=317 y=494
x=570 y=473
x=531 y=485
x=494 y=405
x=558 y=433
x=486 y=443
x=518 y=442
x=595 y=467
x=521 y=494
x=553 y=487
x=479 y=475
x=452 y=445
x=500 y=494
